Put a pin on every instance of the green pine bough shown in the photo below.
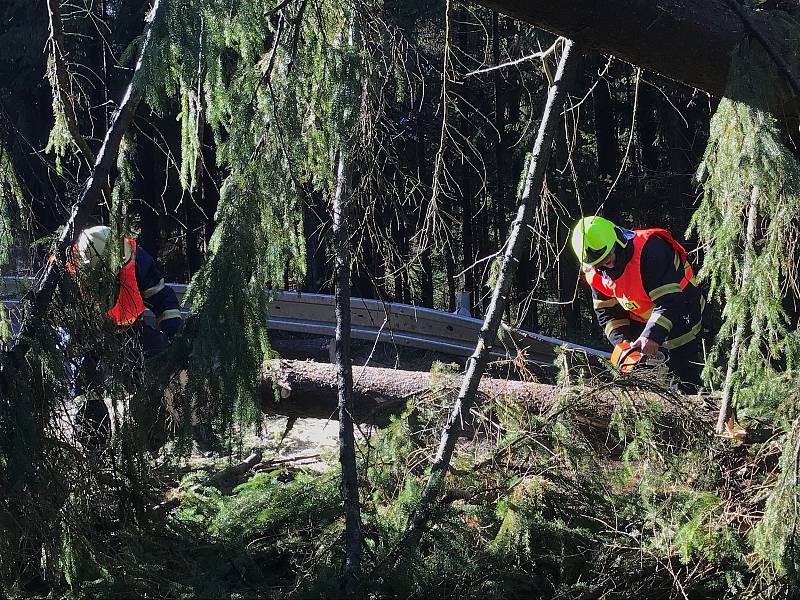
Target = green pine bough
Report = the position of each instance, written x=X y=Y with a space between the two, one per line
x=748 y=222
x=749 y=175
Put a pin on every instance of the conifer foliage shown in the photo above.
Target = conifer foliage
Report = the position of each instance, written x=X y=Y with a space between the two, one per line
x=747 y=161
x=273 y=98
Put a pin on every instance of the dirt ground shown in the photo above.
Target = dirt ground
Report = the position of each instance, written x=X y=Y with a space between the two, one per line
x=312 y=443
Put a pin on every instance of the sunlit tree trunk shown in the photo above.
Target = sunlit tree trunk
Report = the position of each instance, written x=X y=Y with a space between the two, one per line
x=517 y=243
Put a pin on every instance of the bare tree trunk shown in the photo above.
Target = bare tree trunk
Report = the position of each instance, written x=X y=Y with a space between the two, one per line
x=344 y=374
x=344 y=384
x=466 y=175
x=450 y=271
x=314 y=224
x=677 y=136
x=103 y=8
x=747 y=263
x=420 y=162
x=518 y=238
x=648 y=117
x=38 y=299
x=467 y=216
x=567 y=267
x=426 y=278
x=499 y=123
x=605 y=127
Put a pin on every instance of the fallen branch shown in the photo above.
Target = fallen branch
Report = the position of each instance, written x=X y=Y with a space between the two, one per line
x=272 y=463
x=222 y=479
x=517 y=240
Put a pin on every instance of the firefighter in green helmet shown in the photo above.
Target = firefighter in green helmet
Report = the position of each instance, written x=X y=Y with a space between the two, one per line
x=644 y=292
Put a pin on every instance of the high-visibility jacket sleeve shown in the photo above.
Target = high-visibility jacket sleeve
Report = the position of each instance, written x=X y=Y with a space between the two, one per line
x=613 y=318
x=157 y=296
x=675 y=310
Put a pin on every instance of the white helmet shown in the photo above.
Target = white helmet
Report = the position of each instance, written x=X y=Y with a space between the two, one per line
x=91 y=245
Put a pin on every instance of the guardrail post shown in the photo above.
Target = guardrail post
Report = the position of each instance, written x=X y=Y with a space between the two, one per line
x=463 y=304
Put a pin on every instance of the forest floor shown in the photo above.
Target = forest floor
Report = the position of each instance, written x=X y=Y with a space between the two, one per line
x=310 y=442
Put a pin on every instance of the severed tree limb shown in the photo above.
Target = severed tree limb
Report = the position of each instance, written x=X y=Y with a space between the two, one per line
x=307 y=389
x=38 y=299
x=517 y=241
x=223 y=478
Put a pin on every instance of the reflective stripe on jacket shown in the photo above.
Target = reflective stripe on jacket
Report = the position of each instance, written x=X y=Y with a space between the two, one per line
x=628 y=288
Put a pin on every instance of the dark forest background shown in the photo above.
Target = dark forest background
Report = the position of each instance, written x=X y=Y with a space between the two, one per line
x=628 y=145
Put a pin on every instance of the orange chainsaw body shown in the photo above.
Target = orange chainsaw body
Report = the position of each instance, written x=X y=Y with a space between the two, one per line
x=623 y=358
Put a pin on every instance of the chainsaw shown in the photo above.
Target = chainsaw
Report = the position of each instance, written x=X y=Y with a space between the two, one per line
x=625 y=358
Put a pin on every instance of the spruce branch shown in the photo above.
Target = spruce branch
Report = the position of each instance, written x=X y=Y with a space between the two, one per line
x=747 y=263
x=60 y=82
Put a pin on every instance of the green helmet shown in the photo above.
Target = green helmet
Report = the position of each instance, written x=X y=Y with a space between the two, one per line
x=593 y=238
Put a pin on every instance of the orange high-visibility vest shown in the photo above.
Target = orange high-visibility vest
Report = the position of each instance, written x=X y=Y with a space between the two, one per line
x=130 y=304
x=628 y=288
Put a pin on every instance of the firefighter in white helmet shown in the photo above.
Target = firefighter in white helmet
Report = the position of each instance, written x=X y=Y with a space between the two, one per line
x=139 y=285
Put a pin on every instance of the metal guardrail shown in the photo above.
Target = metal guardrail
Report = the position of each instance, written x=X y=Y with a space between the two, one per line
x=377 y=321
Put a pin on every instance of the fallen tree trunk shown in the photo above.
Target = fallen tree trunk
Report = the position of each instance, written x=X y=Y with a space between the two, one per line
x=296 y=388
x=690 y=41
x=226 y=477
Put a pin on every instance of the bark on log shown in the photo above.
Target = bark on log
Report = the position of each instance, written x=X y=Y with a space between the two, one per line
x=690 y=41
x=308 y=389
